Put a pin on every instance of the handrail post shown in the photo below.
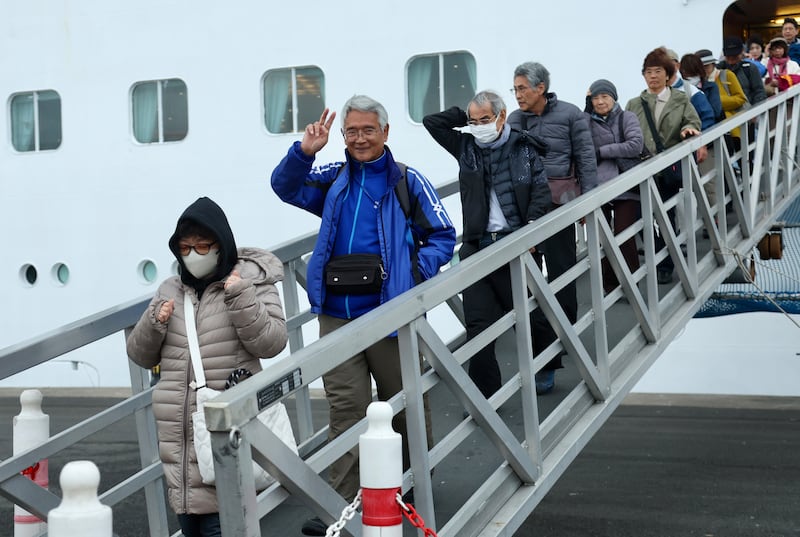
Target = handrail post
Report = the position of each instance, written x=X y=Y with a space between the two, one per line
x=80 y=512
x=31 y=429
x=148 y=452
x=381 y=469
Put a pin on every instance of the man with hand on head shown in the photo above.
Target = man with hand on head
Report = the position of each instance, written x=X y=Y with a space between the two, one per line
x=503 y=187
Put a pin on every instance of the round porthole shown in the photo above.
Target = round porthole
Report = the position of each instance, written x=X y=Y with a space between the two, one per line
x=28 y=274
x=176 y=268
x=147 y=271
x=60 y=273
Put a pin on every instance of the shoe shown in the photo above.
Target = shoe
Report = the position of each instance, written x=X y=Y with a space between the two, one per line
x=545 y=381
x=314 y=526
x=664 y=277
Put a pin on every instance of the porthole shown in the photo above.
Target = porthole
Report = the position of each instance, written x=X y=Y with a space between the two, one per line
x=28 y=274
x=60 y=273
x=148 y=271
x=176 y=268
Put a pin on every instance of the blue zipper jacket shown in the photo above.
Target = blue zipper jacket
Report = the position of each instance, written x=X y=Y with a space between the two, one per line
x=321 y=190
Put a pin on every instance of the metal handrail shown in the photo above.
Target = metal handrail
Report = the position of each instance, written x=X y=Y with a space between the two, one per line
x=608 y=368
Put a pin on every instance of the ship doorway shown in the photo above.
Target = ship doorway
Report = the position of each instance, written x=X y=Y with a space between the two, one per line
x=763 y=18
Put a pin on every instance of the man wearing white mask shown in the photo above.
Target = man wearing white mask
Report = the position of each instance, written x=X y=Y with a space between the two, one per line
x=503 y=187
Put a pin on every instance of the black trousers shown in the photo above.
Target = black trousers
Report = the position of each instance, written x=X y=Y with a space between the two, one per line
x=666 y=190
x=560 y=254
x=485 y=302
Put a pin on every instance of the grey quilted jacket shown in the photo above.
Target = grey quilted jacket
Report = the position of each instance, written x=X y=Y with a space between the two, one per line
x=565 y=130
x=235 y=327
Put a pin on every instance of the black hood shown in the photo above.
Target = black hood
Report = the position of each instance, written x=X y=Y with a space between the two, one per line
x=207 y=214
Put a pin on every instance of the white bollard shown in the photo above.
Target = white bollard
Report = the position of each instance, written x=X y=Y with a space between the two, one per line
x=80 y=512
x=31 y=428
x=381 y=467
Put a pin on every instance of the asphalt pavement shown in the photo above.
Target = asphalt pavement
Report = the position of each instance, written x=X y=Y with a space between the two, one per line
x=662 y=466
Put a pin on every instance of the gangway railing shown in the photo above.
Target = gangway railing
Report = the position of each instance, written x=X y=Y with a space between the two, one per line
x=616 y=338
x=612 y=344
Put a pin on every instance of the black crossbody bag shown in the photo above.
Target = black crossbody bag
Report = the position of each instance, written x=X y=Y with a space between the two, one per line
x=670 y=178
x=626 y=163
x=355 y=274
x=364 y=274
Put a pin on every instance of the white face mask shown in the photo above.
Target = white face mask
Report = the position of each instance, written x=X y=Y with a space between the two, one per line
x=201 y=266
x=485 y=133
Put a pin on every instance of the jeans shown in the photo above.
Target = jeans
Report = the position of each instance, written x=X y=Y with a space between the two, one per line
x=206 y=525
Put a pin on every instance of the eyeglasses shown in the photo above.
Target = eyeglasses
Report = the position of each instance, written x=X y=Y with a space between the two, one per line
x=353 y=134
x=519 y=89
x=201 y=248
x=485 y=120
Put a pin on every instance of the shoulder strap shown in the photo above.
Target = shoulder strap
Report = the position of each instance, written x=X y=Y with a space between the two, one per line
x=651 y=123
x=621 y=131
x=537 y=143
x=194 y=345
x=723 y=75
x=401 y=191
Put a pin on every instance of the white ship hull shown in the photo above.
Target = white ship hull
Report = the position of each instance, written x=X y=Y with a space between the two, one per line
x=103 y=204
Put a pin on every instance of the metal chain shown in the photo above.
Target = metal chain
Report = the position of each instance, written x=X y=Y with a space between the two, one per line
x=350 y=511
x=347 y=514
x=31 y=471
x=413 y=517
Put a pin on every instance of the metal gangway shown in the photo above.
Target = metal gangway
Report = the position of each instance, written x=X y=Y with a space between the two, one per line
x=616 y=338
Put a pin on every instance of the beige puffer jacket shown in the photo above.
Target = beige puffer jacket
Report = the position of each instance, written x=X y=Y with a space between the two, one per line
x=235 y=327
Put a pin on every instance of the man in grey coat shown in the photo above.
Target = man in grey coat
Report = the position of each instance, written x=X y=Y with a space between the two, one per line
x=570 y=151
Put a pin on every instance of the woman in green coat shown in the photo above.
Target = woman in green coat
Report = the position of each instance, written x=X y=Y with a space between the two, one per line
x=674 y=119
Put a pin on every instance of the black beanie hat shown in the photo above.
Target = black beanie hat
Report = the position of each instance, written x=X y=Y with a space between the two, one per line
x=603 y=86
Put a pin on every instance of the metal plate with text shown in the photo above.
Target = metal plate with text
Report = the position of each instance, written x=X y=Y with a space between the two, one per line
x=279 y=388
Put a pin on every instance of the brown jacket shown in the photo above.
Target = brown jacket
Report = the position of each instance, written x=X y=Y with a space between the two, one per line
x=235 y=328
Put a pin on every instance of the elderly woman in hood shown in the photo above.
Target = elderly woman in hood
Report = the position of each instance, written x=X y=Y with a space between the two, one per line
x=239 y=320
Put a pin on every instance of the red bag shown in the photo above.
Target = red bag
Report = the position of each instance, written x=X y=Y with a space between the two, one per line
x=564 y=189
x=787 y=81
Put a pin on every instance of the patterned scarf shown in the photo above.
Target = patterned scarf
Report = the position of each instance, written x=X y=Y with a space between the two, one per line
x=776 y=67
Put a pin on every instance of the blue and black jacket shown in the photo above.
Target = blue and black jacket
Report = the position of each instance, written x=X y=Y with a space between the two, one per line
x=322 y=191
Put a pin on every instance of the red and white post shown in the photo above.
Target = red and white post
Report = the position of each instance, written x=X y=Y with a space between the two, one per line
x=80 y=511
x=381 y=467
x=31 y=428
